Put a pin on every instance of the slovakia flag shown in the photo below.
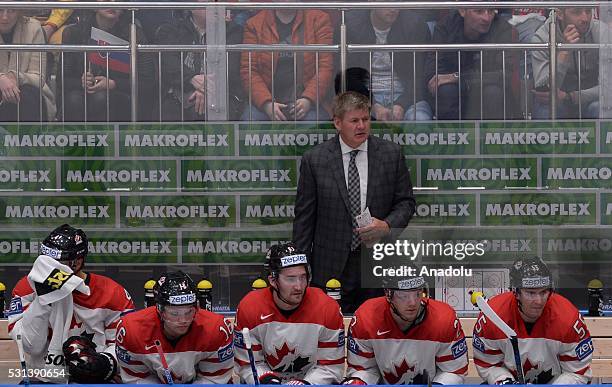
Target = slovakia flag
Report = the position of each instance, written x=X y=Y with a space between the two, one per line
x=117 y=61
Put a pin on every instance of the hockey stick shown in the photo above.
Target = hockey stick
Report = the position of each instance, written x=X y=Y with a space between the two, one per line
x=24 y=367
x=162 y=357
x=246 y=335
x=426 y=375
x=479 y=300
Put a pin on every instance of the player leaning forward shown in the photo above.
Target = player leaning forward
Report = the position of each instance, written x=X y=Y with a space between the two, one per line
x=554 y=343
x=406 y=338
x=175 y=341
x=297 y=331
x=66 y=316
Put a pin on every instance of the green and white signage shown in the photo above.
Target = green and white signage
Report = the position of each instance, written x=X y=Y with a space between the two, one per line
x=245 y=175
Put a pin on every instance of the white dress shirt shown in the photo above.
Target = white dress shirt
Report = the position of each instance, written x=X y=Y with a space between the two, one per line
x=362 y=166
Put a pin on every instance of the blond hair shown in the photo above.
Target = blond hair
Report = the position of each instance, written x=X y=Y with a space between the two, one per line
x=349 y=101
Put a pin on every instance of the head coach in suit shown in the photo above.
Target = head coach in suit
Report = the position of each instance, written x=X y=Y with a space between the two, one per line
x=331 y=192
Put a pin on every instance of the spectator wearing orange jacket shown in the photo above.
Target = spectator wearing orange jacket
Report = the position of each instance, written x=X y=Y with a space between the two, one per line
x=286 y=101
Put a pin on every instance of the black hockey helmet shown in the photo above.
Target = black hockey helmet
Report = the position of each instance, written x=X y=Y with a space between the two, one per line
x=283 y=256
x=65 y=243
x=530 y=273
x=175 y=288
x=412 y=280
x=409 y=282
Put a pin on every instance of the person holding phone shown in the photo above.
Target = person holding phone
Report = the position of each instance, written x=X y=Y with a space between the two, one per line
x=287 y=85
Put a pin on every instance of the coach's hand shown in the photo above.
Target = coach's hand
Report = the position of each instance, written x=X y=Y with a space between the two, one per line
x=373 y=232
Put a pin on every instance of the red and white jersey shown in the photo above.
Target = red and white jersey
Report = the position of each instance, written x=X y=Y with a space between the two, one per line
x=379 y=352
x=96 y=314
x=558 y=350
x=204 y=355
x=309 y=344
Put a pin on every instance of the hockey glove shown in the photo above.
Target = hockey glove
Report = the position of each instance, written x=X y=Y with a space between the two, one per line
x=298 y=382
x=506 y=381
x=270 y=378
x=353 y=381
x=85 y=365
x=76 y=343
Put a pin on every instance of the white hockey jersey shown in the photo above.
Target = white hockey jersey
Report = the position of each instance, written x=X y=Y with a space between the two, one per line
x=558 y=350
x=96 y=314
x=379 y=352
x=204 y=355
x=309 y=344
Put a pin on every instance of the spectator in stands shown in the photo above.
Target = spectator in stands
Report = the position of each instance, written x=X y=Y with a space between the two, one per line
x=393 y=94
x=190 y=28
x=285 y=101
x=357 y=79
x=574 y=25
x=58 y=20
x=526 y=21
x=21 y=88
x=472 y=25
x=88 y=81
x=151 y=19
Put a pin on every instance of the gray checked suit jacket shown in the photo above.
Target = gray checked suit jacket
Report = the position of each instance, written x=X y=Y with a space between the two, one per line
x=322 y=225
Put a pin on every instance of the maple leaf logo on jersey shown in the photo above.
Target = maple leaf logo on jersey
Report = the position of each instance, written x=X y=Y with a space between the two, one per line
x=529 y=370
x=297 y=365
x=528 y=366
x=399 y=372
x=282 y=362
x=544 y=377
x=274 y=361
x=532 y=375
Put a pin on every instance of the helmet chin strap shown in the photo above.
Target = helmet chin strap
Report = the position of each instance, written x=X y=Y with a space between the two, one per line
x=72 y=264
x=418 y=317
x=160 y=309
x=518 y=300
x=520 y=304
x=283 y=299
x=420 y=314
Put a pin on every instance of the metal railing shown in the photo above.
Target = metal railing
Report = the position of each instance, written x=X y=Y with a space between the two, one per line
x=343 y=48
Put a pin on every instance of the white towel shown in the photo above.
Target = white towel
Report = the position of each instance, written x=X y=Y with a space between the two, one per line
x=54 y=283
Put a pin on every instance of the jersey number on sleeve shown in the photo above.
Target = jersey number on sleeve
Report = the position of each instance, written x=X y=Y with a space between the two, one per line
x=579 y=327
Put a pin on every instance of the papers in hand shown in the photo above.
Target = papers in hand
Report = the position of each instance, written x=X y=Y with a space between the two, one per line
x=364 y=219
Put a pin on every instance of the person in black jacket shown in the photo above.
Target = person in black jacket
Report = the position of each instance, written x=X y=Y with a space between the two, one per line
x=190 y=28
x=391 y=26
x=87 y=82
x=472 y=25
